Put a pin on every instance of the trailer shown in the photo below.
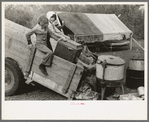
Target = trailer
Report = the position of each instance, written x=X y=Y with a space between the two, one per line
x=22 y=65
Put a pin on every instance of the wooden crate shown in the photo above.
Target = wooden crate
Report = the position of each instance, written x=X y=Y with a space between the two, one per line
x=68 y=50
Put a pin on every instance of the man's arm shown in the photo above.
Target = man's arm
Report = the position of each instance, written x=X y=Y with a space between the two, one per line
x=28 y=35
x=56 y=36
x=60 y=26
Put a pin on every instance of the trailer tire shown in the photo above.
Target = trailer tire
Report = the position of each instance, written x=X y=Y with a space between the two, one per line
x=12 y=77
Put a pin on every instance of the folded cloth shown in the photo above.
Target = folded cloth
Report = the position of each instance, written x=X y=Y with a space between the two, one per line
x=86 y=92
x=87 y=95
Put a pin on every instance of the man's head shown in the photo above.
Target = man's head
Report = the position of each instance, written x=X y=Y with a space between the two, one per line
x=52 y=18
x=43 y=21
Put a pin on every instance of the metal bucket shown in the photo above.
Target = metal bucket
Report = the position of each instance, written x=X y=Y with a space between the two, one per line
x=114 y=68
x=134 y=78
x=136 y=64
x=140 y=91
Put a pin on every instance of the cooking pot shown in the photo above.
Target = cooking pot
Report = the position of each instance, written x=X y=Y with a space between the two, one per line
x=136 y=64
x=114 y=68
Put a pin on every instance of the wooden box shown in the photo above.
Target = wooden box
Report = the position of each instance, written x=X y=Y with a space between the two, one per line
x=68 y=50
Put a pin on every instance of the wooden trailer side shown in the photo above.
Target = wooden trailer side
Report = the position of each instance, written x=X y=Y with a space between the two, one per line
x=58 y=75
x=16 y=44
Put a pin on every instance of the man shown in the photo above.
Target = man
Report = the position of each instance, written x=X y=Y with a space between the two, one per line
x=55 y=23
x=43 y=33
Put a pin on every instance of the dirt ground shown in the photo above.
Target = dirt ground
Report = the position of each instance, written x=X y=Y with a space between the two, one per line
x=41 y=93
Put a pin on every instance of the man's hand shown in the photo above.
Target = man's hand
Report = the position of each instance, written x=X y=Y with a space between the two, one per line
x=30 y=46
x=63 y=23
x=59 y=39
x=67 y=37
x=62 y=39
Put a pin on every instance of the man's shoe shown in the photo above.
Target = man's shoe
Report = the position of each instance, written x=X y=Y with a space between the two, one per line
x=43 y=69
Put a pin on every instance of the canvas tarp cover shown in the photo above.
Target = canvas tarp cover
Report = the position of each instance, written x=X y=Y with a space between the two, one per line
x=111 y=27
x=82 y=27
x=95 y=27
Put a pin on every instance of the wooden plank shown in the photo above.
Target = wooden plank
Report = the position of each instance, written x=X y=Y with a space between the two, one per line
x=58 y=61
x=30 y=60
x=77 y=77
x=13 y=42
x=62 y=62
x=52 y=76
x=18 y=35
x=64 y=70
x=64 y=66
x=16 y=26
x=72 y=44
x=54 y=67
x=69 y=78
x=18 y=52
x=50 y=84
x=12 y=32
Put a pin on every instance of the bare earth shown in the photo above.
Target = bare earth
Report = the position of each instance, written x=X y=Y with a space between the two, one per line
x=38 y=92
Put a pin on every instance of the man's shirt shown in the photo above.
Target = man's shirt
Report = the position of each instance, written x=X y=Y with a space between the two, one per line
x=41 y=34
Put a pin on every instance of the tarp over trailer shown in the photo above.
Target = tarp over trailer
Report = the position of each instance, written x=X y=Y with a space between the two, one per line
x=95 y=27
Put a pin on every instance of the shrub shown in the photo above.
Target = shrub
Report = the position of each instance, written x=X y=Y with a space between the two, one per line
x=18 y=15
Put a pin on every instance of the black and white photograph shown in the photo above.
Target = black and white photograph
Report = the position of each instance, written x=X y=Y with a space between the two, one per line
x=73 y=60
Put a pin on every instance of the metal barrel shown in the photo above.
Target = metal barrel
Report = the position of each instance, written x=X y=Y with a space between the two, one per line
x=135 y=73
x=134 y=78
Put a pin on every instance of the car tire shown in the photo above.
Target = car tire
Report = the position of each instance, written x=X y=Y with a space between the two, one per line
x=13 y=77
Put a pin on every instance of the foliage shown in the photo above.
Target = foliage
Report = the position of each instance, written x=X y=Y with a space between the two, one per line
x=27 y=15
x=18 y=15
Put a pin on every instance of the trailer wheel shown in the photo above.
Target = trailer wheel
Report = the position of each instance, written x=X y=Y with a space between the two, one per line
x=12 y=77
